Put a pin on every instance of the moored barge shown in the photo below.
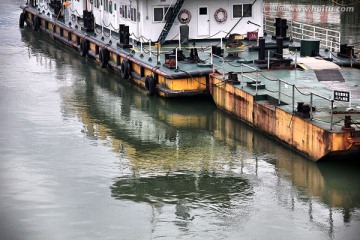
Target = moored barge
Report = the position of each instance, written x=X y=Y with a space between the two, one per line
x=301 y=89
x=127 y=36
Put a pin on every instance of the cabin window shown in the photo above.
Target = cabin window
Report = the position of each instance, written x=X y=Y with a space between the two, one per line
x=127 y=12
x=162 y=13
x=203 y=11
x=168 y=12
x=247 y=10
x=242 y=10
x=115 y=7
x=106 y=5
x=97 y=3
x=110 y=7
x=158 y=14
x=133 y=16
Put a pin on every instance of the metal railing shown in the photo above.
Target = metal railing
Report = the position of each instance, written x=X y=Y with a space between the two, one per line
x=222 y=66
x=329 y=39
x=255 y=80
x=295 y=90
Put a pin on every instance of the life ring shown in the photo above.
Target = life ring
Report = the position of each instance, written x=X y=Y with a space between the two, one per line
x=104 y=57
x=83 y=47
x=22 y=20
x=125 y=69
x=218 y=18
x=187 y=18
x=35 y=23
x=150 y=85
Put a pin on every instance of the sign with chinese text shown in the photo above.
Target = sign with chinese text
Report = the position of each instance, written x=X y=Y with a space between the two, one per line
x=342 y=96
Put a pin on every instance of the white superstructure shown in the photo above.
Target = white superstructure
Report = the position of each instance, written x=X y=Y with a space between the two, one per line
x=205 y=18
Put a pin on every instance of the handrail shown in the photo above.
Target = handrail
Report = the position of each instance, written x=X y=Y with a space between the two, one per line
x=222 y=66
x=311 y=94
x=328 y=38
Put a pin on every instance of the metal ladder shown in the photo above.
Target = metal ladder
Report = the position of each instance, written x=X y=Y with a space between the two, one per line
x=170 y=21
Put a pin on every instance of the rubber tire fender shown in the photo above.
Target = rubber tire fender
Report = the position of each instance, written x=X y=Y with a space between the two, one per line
x=125 y=69
x=53 y=32
x=35 y=23
x=22 y=20
x=150 y=85
x=104 y=57
x=83 y=47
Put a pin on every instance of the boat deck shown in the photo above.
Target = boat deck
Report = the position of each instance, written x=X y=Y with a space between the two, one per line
x=307 y=82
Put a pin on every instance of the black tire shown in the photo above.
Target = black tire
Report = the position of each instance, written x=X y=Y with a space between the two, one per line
x=84 y=47
x=104 y=57
x=22 y=20
x=150 y=85
x=125 y=69
x=53 y=32
x=35 y=23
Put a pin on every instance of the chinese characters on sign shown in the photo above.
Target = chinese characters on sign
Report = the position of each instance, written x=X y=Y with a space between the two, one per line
x=342 y=96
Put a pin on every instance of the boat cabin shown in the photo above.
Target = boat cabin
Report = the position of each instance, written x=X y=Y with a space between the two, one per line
x=164 y=20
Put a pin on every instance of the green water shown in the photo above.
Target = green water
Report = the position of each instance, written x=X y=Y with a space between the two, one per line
x=86 y=155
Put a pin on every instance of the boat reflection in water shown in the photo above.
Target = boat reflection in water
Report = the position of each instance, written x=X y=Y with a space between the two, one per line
x=189 y=161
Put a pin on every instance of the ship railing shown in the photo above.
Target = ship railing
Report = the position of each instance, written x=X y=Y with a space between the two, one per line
x=220 y=65
x=311 y=95
x=269 y=27
x=329 y=39
x=243 y=75
x=243 y=70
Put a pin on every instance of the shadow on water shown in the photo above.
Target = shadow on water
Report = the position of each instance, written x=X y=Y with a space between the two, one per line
x=341 y=189
x=198 y=189
x=187 y=153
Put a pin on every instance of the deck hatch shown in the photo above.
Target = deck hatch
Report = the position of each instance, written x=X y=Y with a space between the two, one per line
x=332 y=75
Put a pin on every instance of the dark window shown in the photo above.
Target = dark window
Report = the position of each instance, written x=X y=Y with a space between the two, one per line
x=134 y=15
x=168 y=12
x=247 y=12
x=110 y=6
x=242 y=10
x=106 y=5
x=203 y=11
x=123 y=11
x=162 y=13
x=158 y=14
x=96 y=3
x=237 y=11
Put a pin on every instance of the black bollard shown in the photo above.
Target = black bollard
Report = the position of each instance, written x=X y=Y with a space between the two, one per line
x=277 y=27
x=261 y=48
x=284 y=28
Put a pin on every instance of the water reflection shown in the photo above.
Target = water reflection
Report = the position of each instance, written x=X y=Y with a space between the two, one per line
x=185 y=190
x=188 y=161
